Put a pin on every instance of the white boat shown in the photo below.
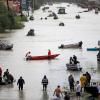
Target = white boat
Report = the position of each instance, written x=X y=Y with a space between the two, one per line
x=74 y=67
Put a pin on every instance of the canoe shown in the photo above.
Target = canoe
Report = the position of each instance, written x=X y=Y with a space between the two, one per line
x=44 y=57
x=75 y=45
x=93 y=49
x=73 y=67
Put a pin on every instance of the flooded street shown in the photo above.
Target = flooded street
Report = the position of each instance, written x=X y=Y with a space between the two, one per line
x=49 y=35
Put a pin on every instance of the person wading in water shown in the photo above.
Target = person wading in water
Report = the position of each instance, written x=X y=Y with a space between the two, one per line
x=44 y=83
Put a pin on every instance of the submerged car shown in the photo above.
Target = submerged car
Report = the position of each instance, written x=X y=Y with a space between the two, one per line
x=4 y=45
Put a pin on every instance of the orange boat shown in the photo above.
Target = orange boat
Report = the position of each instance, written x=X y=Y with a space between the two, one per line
x=44 y=57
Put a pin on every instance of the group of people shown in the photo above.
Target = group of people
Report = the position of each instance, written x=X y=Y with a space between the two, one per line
x=6 y=77
x=80 y=85
x=57 y=92
x=73 y=60
x=84 y=81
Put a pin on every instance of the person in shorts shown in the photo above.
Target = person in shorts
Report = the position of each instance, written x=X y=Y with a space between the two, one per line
x=78 y=90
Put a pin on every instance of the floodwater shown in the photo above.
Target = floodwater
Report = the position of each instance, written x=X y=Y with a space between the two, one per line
x=49 y=35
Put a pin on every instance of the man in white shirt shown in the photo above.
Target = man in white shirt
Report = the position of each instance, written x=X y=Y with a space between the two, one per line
x=78 y=90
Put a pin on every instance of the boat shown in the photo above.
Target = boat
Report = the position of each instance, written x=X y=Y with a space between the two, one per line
x=77 y=16
x=61 y=24
x=73 y=67
x=61 y=10
x=75 y=45
x=4 y=45
x=93 y=49
x=43 y=57
x=31 y=32
x=31 y=18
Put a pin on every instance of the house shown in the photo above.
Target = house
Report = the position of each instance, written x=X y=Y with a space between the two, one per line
x=13 y=4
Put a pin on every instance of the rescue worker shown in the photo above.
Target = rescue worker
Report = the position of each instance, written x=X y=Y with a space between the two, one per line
x=44 y=83
x=49 y=52
x=20 y=83
x=83 y=81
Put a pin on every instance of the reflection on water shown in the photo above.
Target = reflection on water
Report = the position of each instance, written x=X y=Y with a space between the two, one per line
x=98 y=67
x=21 y=95
x=6 y=86
x=45 y=96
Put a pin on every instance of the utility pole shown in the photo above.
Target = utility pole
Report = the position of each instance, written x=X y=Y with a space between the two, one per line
x=7 y=4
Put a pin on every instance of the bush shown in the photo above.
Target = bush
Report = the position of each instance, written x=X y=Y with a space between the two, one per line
x=18 y=25
x=24 y=18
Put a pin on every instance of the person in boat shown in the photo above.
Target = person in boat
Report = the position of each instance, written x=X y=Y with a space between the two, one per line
x=6 y=75
x=11 y=78
x=44 y=83
x=61 y=46
x=49 y=52
x=80 y=44
x=75 y=60
x=28 y=55
x=71 y=60
x=31 y=32
x=20 y=82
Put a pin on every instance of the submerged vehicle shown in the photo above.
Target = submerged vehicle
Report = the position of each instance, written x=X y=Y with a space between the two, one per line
x=4 y=45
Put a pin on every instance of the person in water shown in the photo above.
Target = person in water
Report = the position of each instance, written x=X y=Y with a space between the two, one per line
x=58 y=91
x=49 y=52
x=44 y=83
x=20 y=82
x=80 y=44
